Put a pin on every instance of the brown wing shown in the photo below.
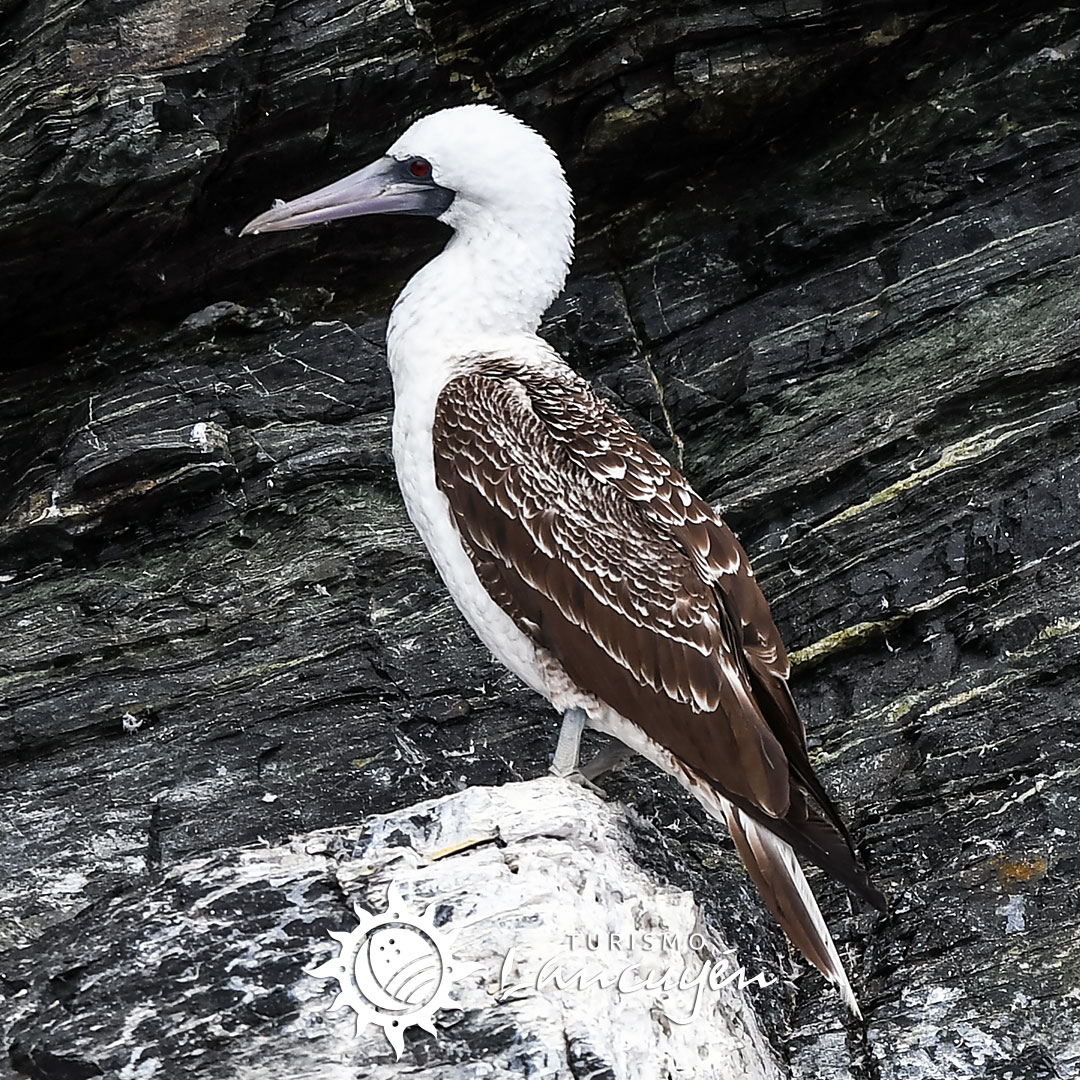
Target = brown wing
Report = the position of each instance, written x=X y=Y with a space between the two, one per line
x=600 y=551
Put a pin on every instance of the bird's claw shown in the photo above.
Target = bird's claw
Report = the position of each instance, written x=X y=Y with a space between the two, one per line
x=576 y=776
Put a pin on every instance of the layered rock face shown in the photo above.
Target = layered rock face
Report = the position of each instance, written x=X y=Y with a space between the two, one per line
x=827 y=261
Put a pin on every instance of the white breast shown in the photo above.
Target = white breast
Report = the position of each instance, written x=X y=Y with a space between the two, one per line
x=414 y=415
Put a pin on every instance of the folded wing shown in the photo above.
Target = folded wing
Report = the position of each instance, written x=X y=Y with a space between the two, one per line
x=599 y=550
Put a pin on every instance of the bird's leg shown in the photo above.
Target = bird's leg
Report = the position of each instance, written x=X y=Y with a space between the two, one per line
x=606 y=760
x=565 y=762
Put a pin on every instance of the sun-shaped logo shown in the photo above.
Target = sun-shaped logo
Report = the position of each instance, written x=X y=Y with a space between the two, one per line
x=395 y=969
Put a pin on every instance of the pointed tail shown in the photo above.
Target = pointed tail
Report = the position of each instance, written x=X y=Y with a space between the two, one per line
x=782 y=884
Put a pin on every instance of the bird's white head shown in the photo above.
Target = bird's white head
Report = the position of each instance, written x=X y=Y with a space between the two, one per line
x=492 y=179
x=498 y=169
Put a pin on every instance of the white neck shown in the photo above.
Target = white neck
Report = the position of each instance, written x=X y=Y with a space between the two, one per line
x=490 y=286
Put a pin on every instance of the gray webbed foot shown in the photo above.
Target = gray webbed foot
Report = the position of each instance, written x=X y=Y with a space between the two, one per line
x=566 y=761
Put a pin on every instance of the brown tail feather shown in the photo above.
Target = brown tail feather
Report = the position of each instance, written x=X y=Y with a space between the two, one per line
x=784 y=888
x=815 y=838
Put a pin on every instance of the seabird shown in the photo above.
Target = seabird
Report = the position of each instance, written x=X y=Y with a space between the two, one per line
x=583 y=559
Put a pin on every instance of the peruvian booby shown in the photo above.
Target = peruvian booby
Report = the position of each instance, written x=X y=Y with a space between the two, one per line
x=579 y=555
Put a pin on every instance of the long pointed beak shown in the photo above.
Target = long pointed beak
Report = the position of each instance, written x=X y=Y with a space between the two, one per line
x=379 y=188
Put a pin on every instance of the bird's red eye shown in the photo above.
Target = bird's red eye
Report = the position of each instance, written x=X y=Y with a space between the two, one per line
x=420 y=168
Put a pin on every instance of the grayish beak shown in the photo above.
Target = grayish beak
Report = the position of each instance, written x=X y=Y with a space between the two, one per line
x=383 y=187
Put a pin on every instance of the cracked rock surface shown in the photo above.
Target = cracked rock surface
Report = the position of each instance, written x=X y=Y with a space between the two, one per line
x=176 y=976
x=827 y=261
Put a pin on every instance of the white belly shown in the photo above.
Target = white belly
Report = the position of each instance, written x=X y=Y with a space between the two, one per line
x=430 y=512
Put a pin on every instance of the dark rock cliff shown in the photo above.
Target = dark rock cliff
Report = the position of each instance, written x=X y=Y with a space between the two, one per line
x=827 y=260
